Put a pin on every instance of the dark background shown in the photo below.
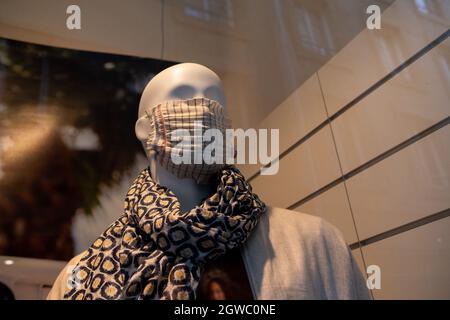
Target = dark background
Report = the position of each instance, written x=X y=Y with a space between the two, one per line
x=66 y=128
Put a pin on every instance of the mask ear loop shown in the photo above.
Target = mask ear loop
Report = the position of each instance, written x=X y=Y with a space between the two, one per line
x=152 y=158
x=151 y=154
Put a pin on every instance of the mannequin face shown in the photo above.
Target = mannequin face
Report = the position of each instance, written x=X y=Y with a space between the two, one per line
x=179 y=82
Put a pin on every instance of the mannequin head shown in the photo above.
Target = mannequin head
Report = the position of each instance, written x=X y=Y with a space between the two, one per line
x=179 y=82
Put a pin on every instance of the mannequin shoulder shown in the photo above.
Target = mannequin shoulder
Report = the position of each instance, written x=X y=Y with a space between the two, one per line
x=294 y=255
x=74 y=261
x=294 y=224
x=59 y=286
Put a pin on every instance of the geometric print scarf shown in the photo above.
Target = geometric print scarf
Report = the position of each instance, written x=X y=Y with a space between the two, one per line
x=154 y=251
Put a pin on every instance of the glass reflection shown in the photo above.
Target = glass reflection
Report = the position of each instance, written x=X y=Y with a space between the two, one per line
x=66 y=133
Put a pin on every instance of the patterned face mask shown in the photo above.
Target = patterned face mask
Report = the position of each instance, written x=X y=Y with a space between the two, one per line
x=177 y=134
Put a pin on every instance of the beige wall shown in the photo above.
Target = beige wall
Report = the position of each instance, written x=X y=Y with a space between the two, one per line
x=365 y=145
x=262 y=49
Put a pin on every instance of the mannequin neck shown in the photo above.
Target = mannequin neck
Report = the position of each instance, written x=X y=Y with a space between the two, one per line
x=188 y=191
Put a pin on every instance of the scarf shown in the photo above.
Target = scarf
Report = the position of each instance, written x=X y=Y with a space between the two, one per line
x=154 y=251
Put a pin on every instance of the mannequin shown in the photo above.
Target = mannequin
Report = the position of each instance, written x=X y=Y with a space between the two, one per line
x=182 y=81
x=187 y=81
x=289 y=255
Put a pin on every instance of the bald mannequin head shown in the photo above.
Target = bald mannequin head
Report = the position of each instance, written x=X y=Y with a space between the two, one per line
x=180 y=82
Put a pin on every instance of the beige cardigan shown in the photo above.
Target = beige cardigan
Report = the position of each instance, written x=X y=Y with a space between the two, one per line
x=289 y=255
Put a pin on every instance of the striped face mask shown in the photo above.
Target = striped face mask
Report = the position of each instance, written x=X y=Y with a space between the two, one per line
x=188 y=137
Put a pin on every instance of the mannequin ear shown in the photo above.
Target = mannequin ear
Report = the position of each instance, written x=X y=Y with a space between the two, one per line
x=142 y=128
